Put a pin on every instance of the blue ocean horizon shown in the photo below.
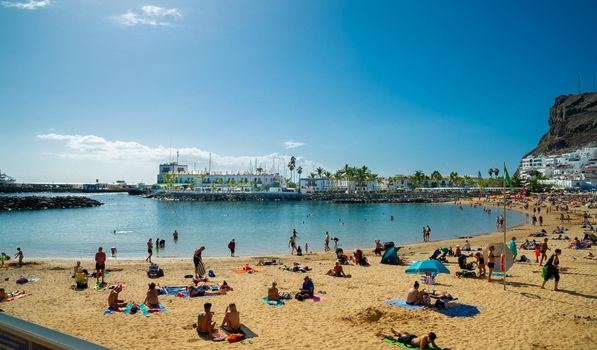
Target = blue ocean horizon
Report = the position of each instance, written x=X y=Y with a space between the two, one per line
x=259 y=228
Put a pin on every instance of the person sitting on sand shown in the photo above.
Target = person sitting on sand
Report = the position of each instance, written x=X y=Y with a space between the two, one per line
x=77 y=268
x=151 y=299
x=307 y=290
x=113 y=301
x=422 y=342
x=273 y=294
x=416 y=297
x=574 y=243
x=225 y=286
x=337 y=271
x=205 y=324
x=466 y=246
x=231 y=321
x=248 y=269
x=378 y=247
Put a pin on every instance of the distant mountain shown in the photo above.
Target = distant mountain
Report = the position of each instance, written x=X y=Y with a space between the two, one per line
x=572 y=125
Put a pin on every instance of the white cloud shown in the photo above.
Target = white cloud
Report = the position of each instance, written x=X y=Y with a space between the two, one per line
x=293 y=144
x=150 y=15
x=29 y=5
x=91 y=147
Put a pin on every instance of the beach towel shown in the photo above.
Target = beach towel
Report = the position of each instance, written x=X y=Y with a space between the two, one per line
x=100 y=285
x=244 y=329
x=402 y=303
x=173 y=291
x=245 y=271
x=460 y=310
x=146 y=311
x=16 y=297
x=404 y=346
x=114 y=284
x=280 y=302
x=113 y=310
x=316 y=298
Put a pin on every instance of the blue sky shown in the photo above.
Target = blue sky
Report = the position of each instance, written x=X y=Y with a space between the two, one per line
x=105 y=89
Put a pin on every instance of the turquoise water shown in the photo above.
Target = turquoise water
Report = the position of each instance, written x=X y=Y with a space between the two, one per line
x=258 y=227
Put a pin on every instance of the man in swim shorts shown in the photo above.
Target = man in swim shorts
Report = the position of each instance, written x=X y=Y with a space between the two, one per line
x=100 y=264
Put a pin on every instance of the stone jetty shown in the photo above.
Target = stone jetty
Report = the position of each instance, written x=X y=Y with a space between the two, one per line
x=15 y=203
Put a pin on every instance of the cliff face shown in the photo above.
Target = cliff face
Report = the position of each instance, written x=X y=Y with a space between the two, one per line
x=572 y=125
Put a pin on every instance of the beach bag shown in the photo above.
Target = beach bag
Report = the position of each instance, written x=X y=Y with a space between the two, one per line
x=543 y=272
x=299 y=297
x=235 y=337
x=154 y=271
x=134 y=309
x=211 y=273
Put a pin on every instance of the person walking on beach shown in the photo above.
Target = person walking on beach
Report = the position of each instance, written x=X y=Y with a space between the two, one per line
x=292 y=244
x=149 y=250
x=490 y=262
x=100 y=264
x=19 y=255
x=534 y=220
x=232 y=246
x=540 y=220
x=198 y=261
x=326 y=242
x=543 y=248
x=553 y=269
x=512 y=246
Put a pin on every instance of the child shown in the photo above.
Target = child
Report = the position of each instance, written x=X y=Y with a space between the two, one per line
x=537 y=253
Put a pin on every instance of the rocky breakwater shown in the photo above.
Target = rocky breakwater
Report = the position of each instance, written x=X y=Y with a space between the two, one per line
x=13 y=203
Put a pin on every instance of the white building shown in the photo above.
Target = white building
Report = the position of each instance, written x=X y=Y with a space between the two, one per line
x=178 y=175
x=570 y=170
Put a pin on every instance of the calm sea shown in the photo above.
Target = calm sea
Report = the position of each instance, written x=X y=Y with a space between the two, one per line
x=258 y=227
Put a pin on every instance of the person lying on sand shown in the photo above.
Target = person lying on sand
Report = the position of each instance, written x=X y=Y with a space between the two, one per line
x=201 y=291
x=416 y=297
x=266 y=262
x=422 y=342
x=205 y=324
x=151 y=299
x=296 y=267
x=441 y=295
x=113 y=301
x=337 y=271
x=4 y=295
x=231 y=320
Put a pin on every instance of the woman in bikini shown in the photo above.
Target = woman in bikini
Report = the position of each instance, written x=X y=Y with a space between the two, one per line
x=490 y=262
x=553 y=269
x=480 y=264
x=151 y=299
x=231 y=320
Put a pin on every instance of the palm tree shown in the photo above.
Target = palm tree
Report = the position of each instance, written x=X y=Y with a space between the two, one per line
x=490 y=171
x=496 y=172
x=436 y=177
x=291 y=166
x=418 y=178
x=299 y=170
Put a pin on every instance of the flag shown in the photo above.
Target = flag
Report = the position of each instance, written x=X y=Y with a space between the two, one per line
x=479 y=175
x=507 y=179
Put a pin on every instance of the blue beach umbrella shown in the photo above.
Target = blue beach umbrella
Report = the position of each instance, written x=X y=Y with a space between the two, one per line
x=425 y=266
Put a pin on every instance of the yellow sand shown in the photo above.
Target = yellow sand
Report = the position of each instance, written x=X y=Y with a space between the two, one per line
x=522 y=317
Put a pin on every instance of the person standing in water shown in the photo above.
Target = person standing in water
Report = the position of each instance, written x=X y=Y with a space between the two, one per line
x=232 y=246
x=326 y=242
x=149 y=250
x=175 y=235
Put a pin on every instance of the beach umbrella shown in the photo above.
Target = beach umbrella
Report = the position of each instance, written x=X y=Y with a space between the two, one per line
x=425 y=266
x=431 y=266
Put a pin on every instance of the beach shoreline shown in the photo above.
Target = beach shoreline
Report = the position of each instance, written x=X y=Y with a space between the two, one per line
x=543 y=318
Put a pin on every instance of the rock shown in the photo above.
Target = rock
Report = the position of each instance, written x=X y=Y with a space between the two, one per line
x=572 y=125
x=42 y=203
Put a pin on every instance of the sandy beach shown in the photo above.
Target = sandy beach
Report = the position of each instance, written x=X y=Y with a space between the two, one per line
x=351 y=312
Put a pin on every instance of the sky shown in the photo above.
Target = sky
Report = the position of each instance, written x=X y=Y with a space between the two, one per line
x=109 y=89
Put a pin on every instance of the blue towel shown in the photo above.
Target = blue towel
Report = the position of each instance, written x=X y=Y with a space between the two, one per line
x=174 y=290
x=460 y=310
x=280 y=302
x=402 y=303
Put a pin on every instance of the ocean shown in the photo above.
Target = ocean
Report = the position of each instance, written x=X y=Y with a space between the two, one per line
x=259 y=228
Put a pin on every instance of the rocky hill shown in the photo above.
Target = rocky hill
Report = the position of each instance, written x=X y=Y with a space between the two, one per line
x=572 y=125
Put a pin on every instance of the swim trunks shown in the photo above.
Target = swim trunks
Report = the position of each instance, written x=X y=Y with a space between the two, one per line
x=491 y=265
x=100 y=266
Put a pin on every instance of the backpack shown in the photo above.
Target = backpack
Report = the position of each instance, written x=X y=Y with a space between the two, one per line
x=154 y=271
x=299 y=297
